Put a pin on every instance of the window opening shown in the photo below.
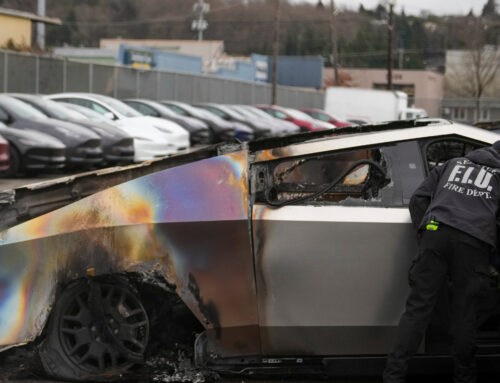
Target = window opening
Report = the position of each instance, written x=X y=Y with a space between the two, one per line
x=439 y=151
x=329 y=178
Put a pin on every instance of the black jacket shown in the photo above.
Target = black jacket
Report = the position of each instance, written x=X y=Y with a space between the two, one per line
x=463 y=193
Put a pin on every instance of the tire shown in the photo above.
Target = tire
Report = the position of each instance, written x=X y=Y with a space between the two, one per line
x=97 y=329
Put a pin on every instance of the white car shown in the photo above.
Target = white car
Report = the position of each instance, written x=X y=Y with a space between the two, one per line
x=153 y=137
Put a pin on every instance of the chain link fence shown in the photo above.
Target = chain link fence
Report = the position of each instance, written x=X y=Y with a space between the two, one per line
x=26 y=73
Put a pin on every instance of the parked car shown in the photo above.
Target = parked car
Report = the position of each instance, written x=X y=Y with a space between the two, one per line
x=153 y=137
x=83 y=147
x=31 y=151
x=260 y=129
x=221 y=130
x=303 y=121
x=4 y=153
x=287 y=254
x=281 y=127
x=321 y=115
x=199 y=131
x=117 y=146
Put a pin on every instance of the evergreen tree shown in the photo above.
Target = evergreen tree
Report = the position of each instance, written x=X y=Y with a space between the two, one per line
x=489 y=9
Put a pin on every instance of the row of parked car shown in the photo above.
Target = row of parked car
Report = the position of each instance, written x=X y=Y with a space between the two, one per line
x=84 y=130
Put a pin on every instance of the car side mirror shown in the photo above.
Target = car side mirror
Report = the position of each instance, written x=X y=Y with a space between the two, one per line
x=110 y=115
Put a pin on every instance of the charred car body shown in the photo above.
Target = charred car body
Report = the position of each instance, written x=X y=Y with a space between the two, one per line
x=291 y=253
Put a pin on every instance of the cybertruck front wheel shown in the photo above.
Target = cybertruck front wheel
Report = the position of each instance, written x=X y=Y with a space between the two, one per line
x=97 y=329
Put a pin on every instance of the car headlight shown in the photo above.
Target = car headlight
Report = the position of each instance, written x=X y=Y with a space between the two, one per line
x=143 y=139
x=163 y=129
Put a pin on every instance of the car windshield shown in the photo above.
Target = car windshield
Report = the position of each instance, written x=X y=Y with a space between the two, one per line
x=119 y=106
x=21 y=109
x=233 y=113
x=258 y=112
x=195 y=112
x=243 y=111
x=85 y=112
x=58 y=111
x=163 y=109
x=298 y=114
x=205 y=114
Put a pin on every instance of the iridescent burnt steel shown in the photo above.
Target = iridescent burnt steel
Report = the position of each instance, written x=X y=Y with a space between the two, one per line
x=190 y=223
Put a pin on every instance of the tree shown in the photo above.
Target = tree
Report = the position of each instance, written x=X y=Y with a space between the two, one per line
x=474 y=73
x=489 y=9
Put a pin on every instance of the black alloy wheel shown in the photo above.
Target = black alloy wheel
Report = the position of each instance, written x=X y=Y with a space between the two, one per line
x=97 y=329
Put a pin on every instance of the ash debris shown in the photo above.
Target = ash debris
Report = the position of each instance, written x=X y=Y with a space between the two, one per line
x=177 y=368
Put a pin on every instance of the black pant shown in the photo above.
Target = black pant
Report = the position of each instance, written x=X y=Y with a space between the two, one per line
x=446 y=253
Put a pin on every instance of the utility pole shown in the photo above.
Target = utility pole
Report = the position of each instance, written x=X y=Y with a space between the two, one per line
x=276 y=48
x=333 y=34
x=200 y=24
x=390 y=27
x=40 y=27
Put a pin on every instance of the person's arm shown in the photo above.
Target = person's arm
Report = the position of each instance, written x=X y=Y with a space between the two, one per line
x=422 y=197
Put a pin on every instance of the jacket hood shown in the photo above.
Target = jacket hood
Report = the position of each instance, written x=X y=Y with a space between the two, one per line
x=485 y=156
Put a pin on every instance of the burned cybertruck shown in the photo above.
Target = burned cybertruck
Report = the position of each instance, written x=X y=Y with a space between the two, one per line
x=286 y=254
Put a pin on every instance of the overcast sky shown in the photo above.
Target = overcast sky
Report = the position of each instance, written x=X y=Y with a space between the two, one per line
x=438 y=7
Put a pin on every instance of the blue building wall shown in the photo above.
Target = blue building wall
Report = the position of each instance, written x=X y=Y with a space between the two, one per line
x=164 y=60
x=302 y=71
x=244 y=71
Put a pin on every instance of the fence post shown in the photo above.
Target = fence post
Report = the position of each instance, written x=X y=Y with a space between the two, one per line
x=137 y=83
x=115 y=81
x=37 y=74
x=65 y=74
x=91 y=76
x=5 y=71
x=176 y=78
x=158 y=78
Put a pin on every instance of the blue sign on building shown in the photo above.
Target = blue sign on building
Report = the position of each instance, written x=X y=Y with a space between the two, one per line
x=143 y=57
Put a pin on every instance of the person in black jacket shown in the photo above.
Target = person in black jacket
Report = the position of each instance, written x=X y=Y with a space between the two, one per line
x=455 y=211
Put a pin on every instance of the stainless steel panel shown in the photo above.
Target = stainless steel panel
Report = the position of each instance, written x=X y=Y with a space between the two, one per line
x=317 y=282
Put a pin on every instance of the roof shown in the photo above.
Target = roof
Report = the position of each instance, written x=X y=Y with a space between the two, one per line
x=30 y=16
x=84 y=52
x=367 y=135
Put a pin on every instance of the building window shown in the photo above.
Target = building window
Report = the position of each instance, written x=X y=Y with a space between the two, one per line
x=460 y=113
x=484 y=115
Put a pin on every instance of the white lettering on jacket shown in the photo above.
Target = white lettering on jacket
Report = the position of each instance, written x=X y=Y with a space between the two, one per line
x=461 y=176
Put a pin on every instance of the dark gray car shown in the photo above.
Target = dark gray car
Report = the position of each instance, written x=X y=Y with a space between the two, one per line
x=30 y=150
x=259 y=128
x=117 y=146
x=221 y=130
x=199 y=131
x=279 y=127
x=83 y=147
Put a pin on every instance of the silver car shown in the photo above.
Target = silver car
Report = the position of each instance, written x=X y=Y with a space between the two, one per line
x=280 y=255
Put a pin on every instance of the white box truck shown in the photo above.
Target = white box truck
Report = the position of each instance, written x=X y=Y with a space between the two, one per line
x=368 y=105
